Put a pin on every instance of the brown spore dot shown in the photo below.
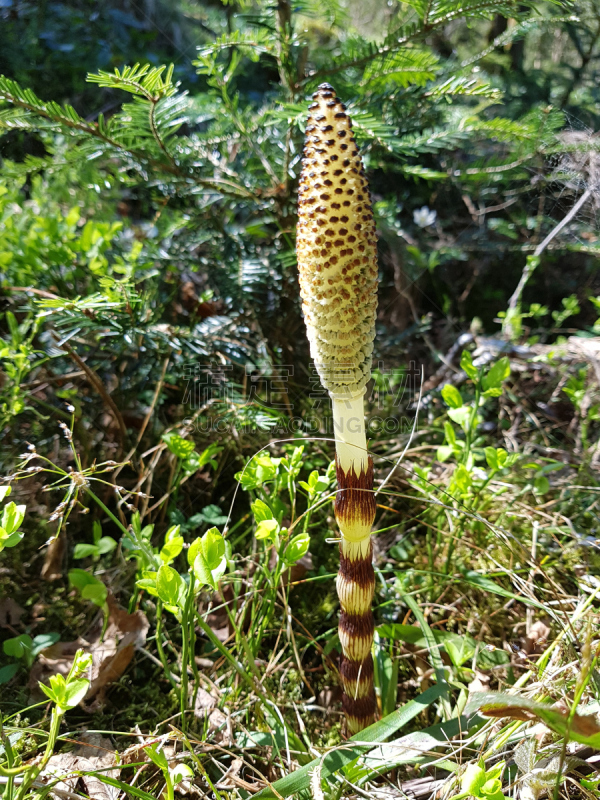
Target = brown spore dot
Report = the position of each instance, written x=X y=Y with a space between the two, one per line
x=324 y=196
x=346 y=203
x=346 y=162
x=333 y=260
x=344 y=181
x=326 y=128
x=332 y=104
x=337 y=172
x=334 y=219
x=318 y=240
x=348 y=191
x=323 y=252
x=334 y=158
x=358 y=196
x=338 y=243
x=335 y=205
x=330 y=142
x=320 y=118
x=361 y=248
x=343 y=231
x=329 y=183
x=344 y=218
x=339 y=191
x=352 y=238
x=341 y=134
x=329 y=232
x=343 y=147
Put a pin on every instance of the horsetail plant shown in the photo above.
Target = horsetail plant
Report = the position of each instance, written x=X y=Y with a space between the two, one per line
x=337 y=261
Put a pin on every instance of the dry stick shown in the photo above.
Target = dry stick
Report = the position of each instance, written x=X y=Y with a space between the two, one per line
x=100 y=388
x=515 y=300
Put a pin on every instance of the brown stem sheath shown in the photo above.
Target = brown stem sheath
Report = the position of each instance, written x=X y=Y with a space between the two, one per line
x=355 y=509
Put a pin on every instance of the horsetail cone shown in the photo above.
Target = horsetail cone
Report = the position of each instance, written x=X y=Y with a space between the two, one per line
x=337 y=261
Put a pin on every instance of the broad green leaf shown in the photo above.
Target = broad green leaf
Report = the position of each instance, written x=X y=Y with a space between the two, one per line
x=213 y=548
x=462 y=416
x=193 y=550
x=84 y=550
x=4 y=492
x=449 y=433
x=8 y=672
x=444 y=452
x=296 y=549
x=452 y=397
x=42 y=641
x=12 y=517
x=267 y=529
x=157 y=756
x=466 y=364
x=75 y=692
x=336 y=759
x=202 y=571
x=170 y=586
x=491 y=456
x=106 y=544
x=179 y=446
x=498 y=373
x=261 y=511
x=580 y=728
x=95 y=593
x=18 y=646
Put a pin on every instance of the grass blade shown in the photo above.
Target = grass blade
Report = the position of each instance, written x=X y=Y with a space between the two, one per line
x=364 y=741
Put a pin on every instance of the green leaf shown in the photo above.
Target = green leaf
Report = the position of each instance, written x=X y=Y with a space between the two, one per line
x=106 y=544
x=296 y=549
x=452 y=397
x=157 y=756
x=462 y=416
x=75 y=692
x=580 y=728
x=202 y=571
x=267 y=529
x=91 y=588
x=8 y=672
x=96 y=593
x=498 y=373
x=179 y=446
x=4 y=492
x=170 y=586
x=84 y=550
x=335 y=760
x=18 y=646
x=12 y=517
x=449 y=433
x=42 y=641
x=444 y=452
x=462 y=478
x=261 y=511
x=491 y=456
x=213 y=548
x=466 y=364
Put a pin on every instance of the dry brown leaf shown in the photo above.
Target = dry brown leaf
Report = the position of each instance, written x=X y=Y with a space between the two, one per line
x=52 y=569
x=110 y=656
x=93 y=754
x=536 y=638
x=10 y=613
x=480 y=683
